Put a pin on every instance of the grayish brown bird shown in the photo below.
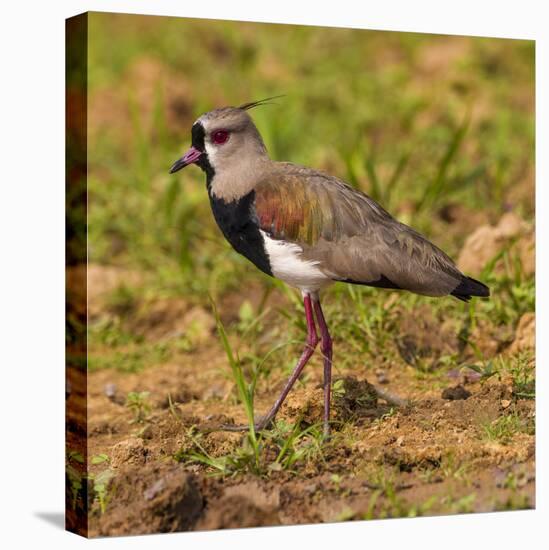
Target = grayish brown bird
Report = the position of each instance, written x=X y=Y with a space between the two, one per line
x=310 y=229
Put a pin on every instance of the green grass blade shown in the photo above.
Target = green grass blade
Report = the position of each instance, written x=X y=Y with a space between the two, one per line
x=246 y=396
x=375 y=190
x=395 y=177
x=438 y=184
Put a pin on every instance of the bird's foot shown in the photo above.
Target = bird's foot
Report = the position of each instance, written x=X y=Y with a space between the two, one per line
x=260 y=424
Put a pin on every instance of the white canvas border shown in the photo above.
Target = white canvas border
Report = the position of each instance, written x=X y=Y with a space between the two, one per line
x=32 y=279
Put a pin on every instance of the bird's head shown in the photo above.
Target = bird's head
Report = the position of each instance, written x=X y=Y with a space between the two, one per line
x=223 y=140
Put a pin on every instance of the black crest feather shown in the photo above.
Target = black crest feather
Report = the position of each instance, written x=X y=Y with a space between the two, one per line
x=266 y=101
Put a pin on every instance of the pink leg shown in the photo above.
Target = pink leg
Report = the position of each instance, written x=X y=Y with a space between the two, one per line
x=310 y=345
x=326 y=348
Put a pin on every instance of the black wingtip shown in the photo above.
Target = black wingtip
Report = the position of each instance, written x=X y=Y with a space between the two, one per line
x=469 y=287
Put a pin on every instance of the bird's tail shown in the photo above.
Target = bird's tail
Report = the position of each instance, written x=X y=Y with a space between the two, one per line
x=469 y=287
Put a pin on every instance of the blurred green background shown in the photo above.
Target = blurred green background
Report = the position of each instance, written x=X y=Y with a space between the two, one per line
x=439 y=129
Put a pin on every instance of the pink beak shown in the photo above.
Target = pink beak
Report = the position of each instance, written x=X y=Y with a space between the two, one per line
x=190 y=157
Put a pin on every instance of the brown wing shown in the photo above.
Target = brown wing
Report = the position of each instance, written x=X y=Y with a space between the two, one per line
x=349 y=234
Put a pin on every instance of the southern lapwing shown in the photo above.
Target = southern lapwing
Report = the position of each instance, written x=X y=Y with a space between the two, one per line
x=310 y=229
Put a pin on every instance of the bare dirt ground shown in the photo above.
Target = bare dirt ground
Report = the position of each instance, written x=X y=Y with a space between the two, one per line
x=424 y=447
x=434 y=454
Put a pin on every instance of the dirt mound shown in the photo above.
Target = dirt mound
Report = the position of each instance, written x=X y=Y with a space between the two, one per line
x=129 y=451
x=352 y=399
x=483 y=246
x=525 y=337
x=103 y=281
x=245 y=505
x=160 y=499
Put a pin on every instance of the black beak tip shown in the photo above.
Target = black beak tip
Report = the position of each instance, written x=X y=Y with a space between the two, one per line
x=176 y=166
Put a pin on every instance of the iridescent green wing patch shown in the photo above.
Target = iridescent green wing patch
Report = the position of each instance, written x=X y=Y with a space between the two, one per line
x=292 y=209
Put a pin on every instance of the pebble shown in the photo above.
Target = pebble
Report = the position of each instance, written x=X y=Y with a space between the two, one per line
x=156 y=488
x=312 y=488
x=381 y=376
x=457 y=392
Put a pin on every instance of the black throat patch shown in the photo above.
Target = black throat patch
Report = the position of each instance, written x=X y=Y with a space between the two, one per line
x=238 y=222
x=198 y=135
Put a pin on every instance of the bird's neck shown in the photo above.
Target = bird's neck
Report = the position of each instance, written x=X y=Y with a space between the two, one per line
x=238 y=179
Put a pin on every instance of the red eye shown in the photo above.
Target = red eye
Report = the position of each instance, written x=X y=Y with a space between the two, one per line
x=220 y=136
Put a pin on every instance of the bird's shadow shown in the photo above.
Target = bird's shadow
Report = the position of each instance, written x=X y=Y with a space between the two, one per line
x=57 y=519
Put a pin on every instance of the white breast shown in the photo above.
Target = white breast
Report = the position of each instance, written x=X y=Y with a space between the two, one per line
x=287 y=265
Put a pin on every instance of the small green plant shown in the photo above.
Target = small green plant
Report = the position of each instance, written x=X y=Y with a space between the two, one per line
x=385 y=502
x=295 y=444
x=172 y=408
x=240 y=461
x=486 y=369
x=288 y=444
x=505 y=427
x=109 y=331
x=385 y=416
x=246 y=316
x=338 y=388
x=137 y=402
x=75 y=455
x=463 y=505
x=522 y=371
x=515 y=501
x=100 y=458
x=452 y=468
x=101 y=483
x=75 y=480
